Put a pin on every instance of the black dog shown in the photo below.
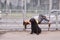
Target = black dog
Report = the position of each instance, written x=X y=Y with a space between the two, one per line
x=34 y=26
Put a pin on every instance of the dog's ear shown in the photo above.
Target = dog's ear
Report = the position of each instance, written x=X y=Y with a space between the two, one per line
x=31 y=20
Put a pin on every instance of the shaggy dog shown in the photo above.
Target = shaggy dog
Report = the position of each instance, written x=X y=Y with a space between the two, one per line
x=34 y=27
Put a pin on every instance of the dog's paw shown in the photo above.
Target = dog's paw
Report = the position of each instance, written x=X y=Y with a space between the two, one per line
x=37 y=33
x=31 y=33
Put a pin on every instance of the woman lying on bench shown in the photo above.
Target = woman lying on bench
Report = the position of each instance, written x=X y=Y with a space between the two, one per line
x=38 y=19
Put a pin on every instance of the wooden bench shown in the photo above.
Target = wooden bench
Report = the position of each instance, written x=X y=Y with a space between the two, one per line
x=25 y=23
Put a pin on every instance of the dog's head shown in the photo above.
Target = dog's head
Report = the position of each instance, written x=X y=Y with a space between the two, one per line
x=33 y=21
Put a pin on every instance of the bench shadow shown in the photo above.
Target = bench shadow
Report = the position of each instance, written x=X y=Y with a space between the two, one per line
x=2 y=33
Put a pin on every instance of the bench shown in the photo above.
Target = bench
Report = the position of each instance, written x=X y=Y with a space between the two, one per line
x=25 y=23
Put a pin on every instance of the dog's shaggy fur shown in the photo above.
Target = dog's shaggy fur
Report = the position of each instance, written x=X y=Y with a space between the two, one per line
x=34 y=27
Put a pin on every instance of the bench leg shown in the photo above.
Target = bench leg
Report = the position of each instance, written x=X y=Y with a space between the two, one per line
x=25 y=26
x=49 y=27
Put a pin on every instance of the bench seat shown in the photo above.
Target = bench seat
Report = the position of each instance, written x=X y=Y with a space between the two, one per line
x=26 y=22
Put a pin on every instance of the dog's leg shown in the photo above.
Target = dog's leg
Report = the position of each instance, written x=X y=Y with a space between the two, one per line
x=32 y=31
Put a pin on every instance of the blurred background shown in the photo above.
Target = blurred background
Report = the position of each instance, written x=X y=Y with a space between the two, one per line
x=13 y=12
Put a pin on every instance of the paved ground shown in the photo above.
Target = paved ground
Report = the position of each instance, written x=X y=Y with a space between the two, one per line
x=25 y=35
